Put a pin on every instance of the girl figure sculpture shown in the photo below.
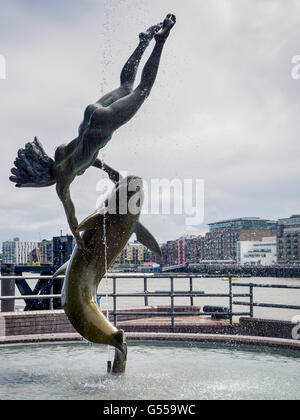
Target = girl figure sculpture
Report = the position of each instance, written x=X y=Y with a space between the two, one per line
x=34 y=168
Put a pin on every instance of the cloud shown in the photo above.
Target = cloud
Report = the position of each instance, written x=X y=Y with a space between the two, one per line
x=224 y=107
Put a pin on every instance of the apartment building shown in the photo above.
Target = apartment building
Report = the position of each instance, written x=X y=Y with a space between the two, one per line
x=221 y=240
x=46 y=251
x=17 y=252
x=288 y=239
x=220 y=243
x=62 y=249
x=262 y=252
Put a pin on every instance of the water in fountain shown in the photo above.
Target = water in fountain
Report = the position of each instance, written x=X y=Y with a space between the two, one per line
x=105 y=276
x=189 y=372
x=106 y=59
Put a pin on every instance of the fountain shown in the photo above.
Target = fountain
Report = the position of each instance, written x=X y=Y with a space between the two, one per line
x=74 y=371
x=197 y=372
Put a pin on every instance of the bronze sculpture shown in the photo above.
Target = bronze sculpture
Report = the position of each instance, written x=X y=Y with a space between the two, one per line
x=106 y=232
x=34 y=168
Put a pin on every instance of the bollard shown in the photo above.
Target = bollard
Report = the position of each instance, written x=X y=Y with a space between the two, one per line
x=8 y=288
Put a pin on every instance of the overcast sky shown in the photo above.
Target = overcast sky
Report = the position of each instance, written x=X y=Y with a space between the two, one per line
x=224 y=107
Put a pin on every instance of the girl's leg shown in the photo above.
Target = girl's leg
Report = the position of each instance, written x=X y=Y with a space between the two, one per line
x=130 y=68
x=128 y=75
x=122 y=110
x=63 y=192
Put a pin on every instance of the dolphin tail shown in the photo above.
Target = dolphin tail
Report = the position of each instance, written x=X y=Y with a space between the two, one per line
x=119 y=365
x=120 y=352
x=120 y=342
x=146 y=238
x=33 y=167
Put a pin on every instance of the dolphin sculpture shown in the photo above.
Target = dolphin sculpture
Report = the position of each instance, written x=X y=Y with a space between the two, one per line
x=105 y=233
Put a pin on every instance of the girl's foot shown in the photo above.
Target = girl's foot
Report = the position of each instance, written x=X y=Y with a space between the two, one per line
x=147 y=36
x=168 y=24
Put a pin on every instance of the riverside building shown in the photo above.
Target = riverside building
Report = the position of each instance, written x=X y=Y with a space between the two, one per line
x=220 y=243
x=288 y=240
x=222 y=238
x=257 y=252
x=46 y=251
x=136 y=254
x=17 y=252
x=62 y=250
x=178 y=251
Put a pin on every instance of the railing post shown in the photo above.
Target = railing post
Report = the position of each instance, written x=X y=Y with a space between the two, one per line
x=115 y=301
x=251 y=300
x=191 y=289
x=230 y=300
x=51 y=300
x=172 y=304
x=145 y=291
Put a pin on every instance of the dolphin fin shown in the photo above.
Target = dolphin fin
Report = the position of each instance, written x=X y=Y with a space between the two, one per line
x=62 y=270
x=146 y=238
x=91 y=222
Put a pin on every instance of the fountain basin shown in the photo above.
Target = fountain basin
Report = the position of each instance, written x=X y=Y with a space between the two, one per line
x=155 y=370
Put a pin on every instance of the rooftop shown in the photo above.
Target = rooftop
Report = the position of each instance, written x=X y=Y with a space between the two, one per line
x=243 y=223
x=244 y=219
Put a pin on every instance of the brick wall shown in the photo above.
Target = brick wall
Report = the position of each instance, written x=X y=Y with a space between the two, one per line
x=266 y=328
x=35 y=322
x=55 y=321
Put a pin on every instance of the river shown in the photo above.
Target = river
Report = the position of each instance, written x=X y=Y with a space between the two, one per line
x=207 y=285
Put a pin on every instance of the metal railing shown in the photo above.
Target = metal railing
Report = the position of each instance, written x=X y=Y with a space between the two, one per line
x=172 y=294
x=253 y=304
x=230 y=296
